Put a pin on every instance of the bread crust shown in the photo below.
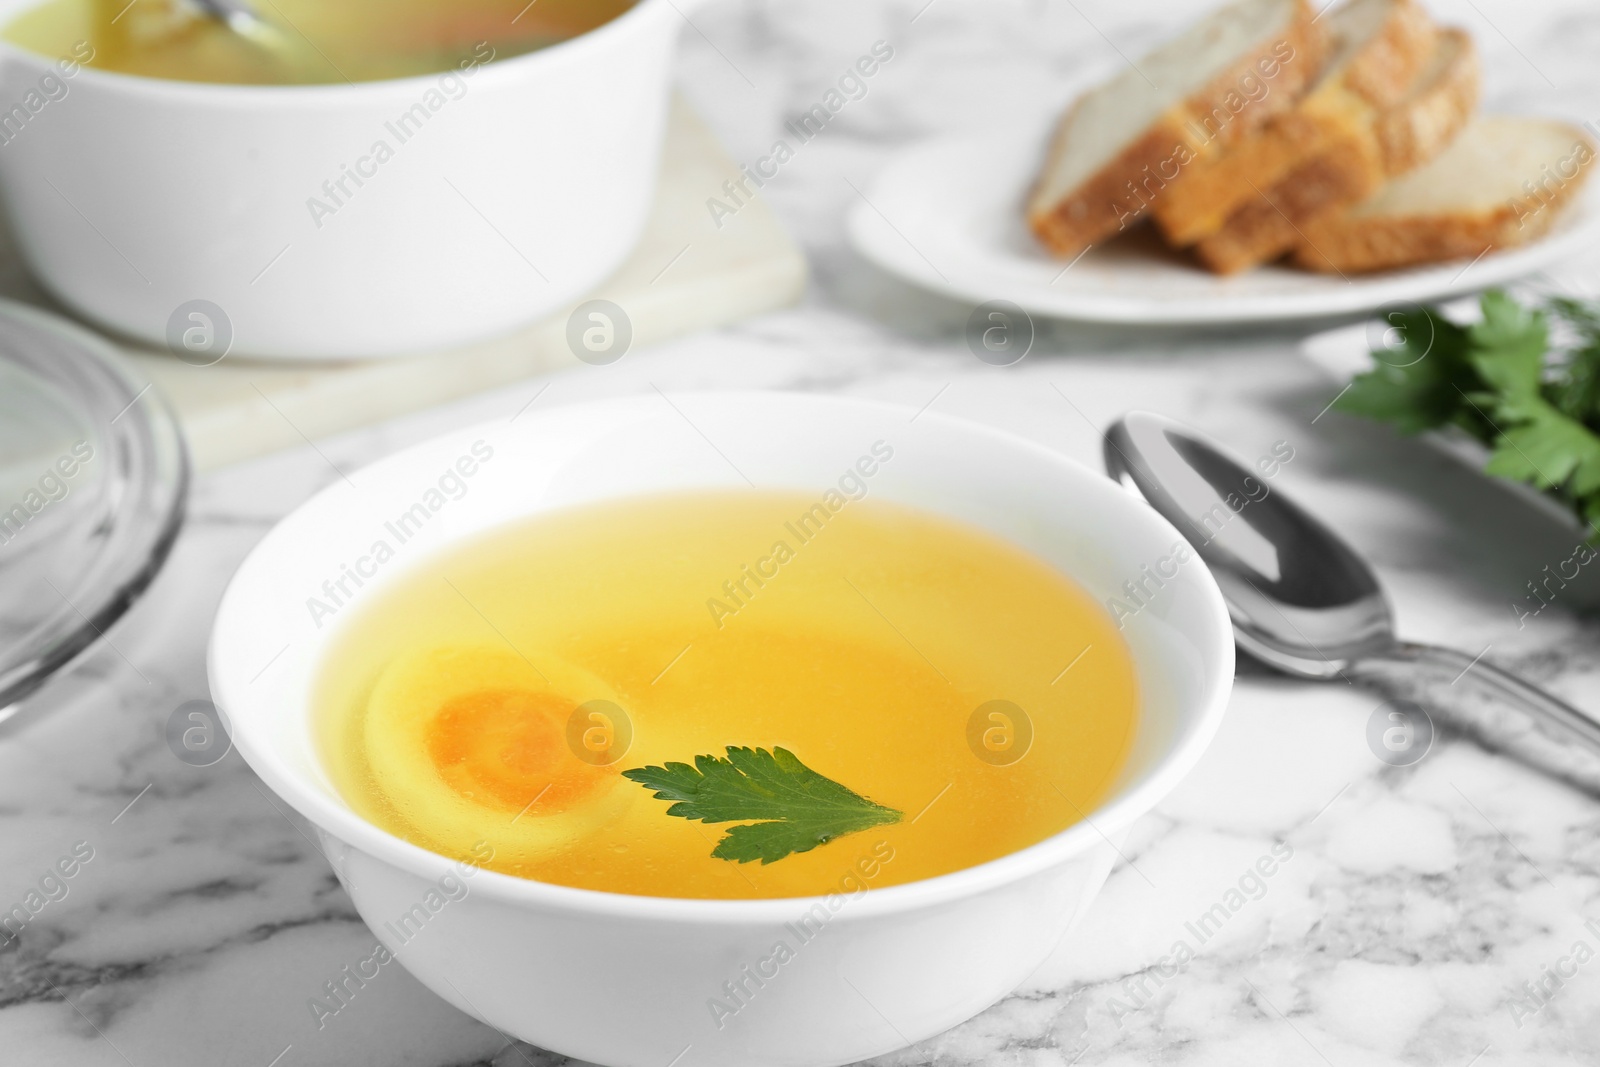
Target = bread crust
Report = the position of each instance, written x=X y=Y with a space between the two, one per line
x=1103 y=205
x=1385 y=244
x=1357 y=244
x=1269 y=225
x=1210 y=191
x=1412 y=134
x=1119 y=193
x=1351 y=168
x=1306 y=43
x=1384 y=71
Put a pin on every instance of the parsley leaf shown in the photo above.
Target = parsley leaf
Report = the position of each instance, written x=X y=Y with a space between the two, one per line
x=1545 y=448
x=1508 y=346
x=797 y=808
x=1579 y=395
x=1418 y=384
x=1530 y=393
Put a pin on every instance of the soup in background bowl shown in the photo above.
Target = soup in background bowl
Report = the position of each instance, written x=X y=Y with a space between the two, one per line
x=304 y=41
x=858 y=965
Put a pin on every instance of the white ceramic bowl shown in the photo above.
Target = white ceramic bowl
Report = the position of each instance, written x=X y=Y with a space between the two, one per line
x=512 y=193
x=626 y=980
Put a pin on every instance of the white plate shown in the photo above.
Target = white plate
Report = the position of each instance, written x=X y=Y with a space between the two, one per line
x=947 y=215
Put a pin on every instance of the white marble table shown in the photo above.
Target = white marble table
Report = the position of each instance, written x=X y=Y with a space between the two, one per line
x=1416 y=901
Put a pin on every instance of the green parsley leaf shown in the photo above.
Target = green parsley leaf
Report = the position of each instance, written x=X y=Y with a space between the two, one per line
x=1531 y=396
x=1417 y=385
x=797 y=808
x=1578 y=396
x=1545 y=448
x=1508 y=346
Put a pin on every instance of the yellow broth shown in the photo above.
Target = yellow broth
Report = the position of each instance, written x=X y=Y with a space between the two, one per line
x=306 y=41
x=868 y=639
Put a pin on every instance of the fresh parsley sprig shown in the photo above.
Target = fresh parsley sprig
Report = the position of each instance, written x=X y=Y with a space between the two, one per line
x=786 y=806
x=1533 y=401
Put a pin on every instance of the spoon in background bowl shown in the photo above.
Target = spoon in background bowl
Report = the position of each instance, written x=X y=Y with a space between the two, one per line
x=238 y=16
x=173 y=17
x=294 y=55
x=1304 y=603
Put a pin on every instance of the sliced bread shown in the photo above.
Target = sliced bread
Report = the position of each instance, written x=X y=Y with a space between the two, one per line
x=1502 y=183
x=1119 y=144
x=1354 y=165
x=1377 y=49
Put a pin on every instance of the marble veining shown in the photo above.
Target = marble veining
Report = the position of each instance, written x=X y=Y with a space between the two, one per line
x=1430 y=914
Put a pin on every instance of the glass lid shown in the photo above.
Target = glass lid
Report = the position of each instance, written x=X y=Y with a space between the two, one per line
x=93 y=482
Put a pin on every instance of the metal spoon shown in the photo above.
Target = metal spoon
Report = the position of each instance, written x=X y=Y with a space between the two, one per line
x=240 y=17
x=247 y=23
x=1303 y=601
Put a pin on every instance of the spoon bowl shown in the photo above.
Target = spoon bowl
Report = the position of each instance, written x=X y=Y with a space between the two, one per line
x=1302 y=600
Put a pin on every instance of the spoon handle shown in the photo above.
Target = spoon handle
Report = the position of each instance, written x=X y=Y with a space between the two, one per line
x=1514 y=689
x=1520 y=718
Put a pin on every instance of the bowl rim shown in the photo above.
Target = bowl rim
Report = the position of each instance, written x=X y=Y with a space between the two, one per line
x=335 y=820
x=203 y=93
